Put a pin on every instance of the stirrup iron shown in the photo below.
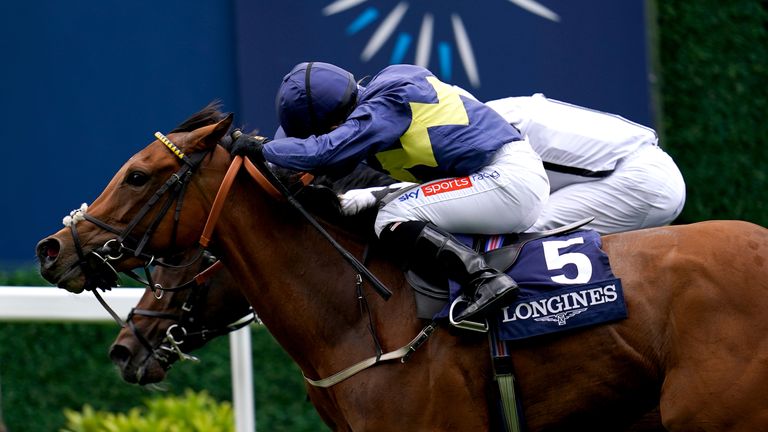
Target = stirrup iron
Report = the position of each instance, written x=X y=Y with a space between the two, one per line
x=481 y=327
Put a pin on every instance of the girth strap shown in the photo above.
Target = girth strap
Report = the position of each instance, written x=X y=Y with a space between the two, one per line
x=503 y=373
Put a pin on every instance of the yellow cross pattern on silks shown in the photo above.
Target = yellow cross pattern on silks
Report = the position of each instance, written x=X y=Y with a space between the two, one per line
x=416 y=145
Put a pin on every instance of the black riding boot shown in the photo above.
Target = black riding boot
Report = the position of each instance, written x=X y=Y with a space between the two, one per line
x=482 y=284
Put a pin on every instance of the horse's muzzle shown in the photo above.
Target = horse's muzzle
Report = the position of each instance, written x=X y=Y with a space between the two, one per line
x=47 y=252
x=53 y=265
x=136 y=368
x=59 y=267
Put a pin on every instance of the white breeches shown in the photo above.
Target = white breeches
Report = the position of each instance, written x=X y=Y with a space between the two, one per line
x=504 y=197
x=645 y=190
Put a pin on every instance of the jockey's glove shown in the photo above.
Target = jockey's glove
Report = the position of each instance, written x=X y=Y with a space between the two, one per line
x=247 y=145
x=356 y=200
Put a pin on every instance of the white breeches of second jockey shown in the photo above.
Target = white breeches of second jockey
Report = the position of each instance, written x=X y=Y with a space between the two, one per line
x=645 y=190
x=504 y=197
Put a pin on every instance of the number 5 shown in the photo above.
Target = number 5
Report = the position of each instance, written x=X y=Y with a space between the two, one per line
x=556 y=261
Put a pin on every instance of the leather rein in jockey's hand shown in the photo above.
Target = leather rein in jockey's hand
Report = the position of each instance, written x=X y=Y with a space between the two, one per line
x=261 y=174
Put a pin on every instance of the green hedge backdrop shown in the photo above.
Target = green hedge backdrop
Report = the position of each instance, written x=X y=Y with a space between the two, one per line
x=713 y=59
x=46 y=367
x=712 y=85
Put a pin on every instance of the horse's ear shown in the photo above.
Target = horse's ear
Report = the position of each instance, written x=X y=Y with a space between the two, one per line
x=207 y=137
x=221 y=129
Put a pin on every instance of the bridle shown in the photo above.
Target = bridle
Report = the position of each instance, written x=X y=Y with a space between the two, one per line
x=98 y=262
x=97 y=266
x=188 y=323
x=99 y=272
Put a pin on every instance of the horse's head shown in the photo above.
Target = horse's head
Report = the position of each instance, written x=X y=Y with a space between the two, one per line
x=137 y=214
x=161 y=331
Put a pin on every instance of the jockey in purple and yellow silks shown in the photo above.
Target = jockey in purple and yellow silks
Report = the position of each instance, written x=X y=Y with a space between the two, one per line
x=467 y=170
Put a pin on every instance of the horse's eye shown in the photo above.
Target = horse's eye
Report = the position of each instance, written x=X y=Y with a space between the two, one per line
x=137 y=178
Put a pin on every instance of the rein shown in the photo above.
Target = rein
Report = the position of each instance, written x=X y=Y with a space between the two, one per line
x=223 y=192
x=98 y=261
x=275 y=188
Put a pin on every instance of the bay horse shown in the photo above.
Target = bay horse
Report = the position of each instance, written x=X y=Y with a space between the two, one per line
x=208 y=308
x=695 y=342
x=167 y=325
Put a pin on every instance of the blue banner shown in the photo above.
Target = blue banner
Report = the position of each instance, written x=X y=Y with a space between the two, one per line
x=592 y=53
x=84 y=86
x=86 y=90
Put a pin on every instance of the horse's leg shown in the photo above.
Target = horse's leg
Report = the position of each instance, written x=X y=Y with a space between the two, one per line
x=717 y=334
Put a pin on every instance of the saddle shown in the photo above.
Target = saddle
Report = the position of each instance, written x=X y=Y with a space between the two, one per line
x=431 y=289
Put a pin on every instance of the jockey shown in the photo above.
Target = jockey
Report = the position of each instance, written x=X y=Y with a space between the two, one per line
x=466 y=169
x=598 y=164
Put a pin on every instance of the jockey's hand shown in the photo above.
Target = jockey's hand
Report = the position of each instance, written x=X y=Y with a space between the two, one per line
x=356 y=200
x=247 y=145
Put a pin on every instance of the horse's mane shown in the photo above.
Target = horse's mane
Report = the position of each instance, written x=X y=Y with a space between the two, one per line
x=209 y=115
x=321 y=199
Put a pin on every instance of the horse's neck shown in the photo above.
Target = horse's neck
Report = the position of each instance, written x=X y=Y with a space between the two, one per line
x=298 y=284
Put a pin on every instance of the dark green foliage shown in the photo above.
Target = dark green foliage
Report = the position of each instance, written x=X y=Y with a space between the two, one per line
x=47 y=367
x=192 y=412
x=22 y=277
x=714 y=69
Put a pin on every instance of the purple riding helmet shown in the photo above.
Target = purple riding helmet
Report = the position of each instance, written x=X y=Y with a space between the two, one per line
x=314 y=97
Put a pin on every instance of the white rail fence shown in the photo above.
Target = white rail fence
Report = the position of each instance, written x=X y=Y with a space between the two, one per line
x=54 y=304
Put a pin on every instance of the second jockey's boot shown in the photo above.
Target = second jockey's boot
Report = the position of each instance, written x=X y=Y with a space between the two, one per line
x=482 y=285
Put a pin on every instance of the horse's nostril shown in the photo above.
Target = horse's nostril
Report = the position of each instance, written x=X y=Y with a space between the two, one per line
x=119 y=354
x=48 y=250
